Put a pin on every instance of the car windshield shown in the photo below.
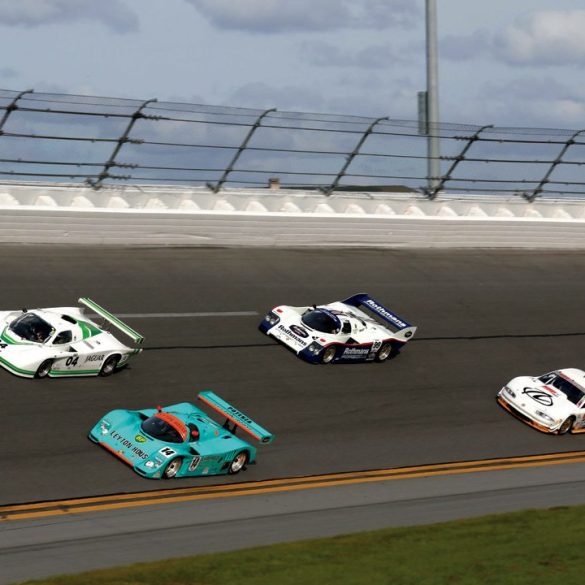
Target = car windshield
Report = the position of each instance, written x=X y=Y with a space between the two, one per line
x=160 y=429
x=321 y=321
x=572 y=392
x=32 y=328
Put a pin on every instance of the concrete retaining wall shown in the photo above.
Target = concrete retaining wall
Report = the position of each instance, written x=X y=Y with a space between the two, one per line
x=192 y=217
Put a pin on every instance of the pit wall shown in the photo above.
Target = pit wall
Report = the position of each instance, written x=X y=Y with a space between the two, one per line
x=159 y=216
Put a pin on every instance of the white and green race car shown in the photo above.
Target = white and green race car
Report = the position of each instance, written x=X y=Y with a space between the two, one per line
x=63 y=342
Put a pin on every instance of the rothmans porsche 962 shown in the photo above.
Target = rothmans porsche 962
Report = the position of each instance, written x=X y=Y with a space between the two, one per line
x=63 y=342
x=358 y=329
x=552 y=403
x=180 y=440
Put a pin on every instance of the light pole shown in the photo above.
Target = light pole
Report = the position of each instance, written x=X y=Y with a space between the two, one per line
x=433 y=149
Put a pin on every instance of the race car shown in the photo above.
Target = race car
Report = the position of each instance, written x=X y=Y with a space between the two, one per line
x=358 y=329
x=552 y=402
x=180 y=440
x=63 y=341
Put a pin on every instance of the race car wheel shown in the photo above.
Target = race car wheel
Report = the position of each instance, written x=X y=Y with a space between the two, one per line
x=328 y=355
x=109 y=365
x=172 y=468
x=566 y=425
x=238 y=463
x=384 y=352
x=44 y=369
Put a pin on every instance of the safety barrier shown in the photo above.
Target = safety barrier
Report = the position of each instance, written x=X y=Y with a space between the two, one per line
x=146 y=215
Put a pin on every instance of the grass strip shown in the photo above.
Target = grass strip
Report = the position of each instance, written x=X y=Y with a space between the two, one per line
x=535 y=546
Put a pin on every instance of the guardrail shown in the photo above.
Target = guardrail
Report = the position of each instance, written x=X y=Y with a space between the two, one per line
x=103 y=142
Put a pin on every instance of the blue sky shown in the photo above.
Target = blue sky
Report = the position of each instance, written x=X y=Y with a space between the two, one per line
x=507 y=63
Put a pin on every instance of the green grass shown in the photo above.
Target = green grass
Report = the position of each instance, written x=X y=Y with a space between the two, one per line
x=537 y=546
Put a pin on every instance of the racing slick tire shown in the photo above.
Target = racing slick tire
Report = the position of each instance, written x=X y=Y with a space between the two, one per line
x=44 y=369
x=172 y=468
x=109 y=366
x=238 y=463
x=328 y=355
x=384 y=352
x=566 y=425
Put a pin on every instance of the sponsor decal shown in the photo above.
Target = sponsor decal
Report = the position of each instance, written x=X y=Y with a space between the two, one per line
x=299 y=330
x=355 y=352
x=291 y=334
x=539 y=396
x=140 y=453
x=94 y=358
x=140 y=439
x=240 y=416
x=552 y=390
x=385 y=313
x=194 y=463
x=129 y=445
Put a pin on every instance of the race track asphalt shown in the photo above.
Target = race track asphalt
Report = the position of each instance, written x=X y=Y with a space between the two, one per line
x=483 y=316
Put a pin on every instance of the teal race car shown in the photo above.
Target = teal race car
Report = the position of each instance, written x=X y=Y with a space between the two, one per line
x=180 y=440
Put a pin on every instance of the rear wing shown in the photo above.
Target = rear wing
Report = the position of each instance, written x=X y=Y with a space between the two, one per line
x=238 y=418
x=112 y=319
x=363 y=300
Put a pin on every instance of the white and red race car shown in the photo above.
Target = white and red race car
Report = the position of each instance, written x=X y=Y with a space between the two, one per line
x=552 y=403
x=358 y=329
x=63 y=342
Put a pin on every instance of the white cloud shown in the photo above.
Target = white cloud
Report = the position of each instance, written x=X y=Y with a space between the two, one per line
x=8 y=73
x=369 y=96
x=33 y=13
x=465 y=47
x=263 y=96
x=520 y=102
x=276 y=16
x=544 y=38
x=383 y=56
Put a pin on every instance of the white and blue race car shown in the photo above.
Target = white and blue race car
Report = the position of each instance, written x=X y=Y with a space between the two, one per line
x=358 y=329
x=63 y=342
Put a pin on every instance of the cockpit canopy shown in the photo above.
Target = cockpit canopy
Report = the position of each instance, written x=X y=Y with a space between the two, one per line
x=31 y=327
x=164 y=428
x=568 y=388
x=322 y=320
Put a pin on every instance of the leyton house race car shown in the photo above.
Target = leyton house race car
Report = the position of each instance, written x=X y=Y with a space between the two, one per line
x=180 y=440
x=356 y=329
x=552 y=403
x=62 y=341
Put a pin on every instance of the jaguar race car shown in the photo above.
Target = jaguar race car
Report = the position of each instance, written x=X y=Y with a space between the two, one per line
x=552 y=403
x=180 y=440
x=63 y=341
x=358 y=329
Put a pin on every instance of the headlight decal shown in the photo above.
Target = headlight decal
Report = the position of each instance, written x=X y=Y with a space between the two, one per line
x=272 y=318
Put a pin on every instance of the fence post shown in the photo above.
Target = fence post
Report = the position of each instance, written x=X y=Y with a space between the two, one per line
x=13 y=105
x=137 y=115
x=351 y=156
x=242 y=147
x=432 y=193
x=539 y=188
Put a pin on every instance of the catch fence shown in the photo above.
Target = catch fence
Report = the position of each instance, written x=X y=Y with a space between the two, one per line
x=108 y=141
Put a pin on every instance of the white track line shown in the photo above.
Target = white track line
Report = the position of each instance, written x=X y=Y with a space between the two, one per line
x=183 y=315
